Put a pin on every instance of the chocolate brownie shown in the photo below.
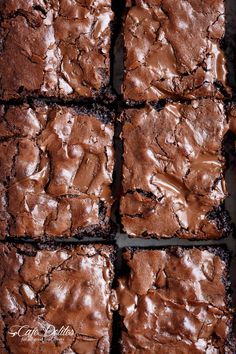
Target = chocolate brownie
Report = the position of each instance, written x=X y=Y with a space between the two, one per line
x=56 y=171
x=172 y=49
x=54 y=48
x=56 y=299
x=175 y=301
x=173 y=169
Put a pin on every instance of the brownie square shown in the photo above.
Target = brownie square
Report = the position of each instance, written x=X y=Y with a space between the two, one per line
x=56 y=299
x=175 y=301
x=55 y=48
x=173 y=181
x=172 y=50
x=56 y=171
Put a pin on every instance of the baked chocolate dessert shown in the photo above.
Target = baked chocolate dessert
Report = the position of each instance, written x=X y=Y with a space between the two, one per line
x=173 y=172
x=175 y=301
x=57 y=48
x=56 y=299
x=172 y=50
x=56 y=171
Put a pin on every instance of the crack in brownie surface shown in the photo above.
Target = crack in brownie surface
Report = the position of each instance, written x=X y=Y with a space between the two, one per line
x=172 y=49
x=173 y=169
x=54 y=48
x=174 y=301
x=56 y=287
x=56 y=172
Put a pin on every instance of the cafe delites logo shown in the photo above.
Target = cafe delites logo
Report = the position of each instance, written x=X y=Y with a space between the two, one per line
x=44 y=332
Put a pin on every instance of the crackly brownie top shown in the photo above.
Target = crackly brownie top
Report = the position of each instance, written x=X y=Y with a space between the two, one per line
x=56 y=170
x=173 y=49
x=174 y=302
x=56 y=289
x=173 y=168
x=55 y=48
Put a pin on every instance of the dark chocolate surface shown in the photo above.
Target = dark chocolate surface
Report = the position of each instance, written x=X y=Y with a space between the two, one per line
x=55 y=288
x=55 y=48
x=122 y=239
x=172 y=49
x=173 y=169
x=174 y=301
x=56 y=171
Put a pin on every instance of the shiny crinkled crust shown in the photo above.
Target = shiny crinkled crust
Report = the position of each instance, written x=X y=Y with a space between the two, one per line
x=172 y=50
x=55 y=48
x=56 y=172
x=173 y=171
x=56 y=287
x=175 y=301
